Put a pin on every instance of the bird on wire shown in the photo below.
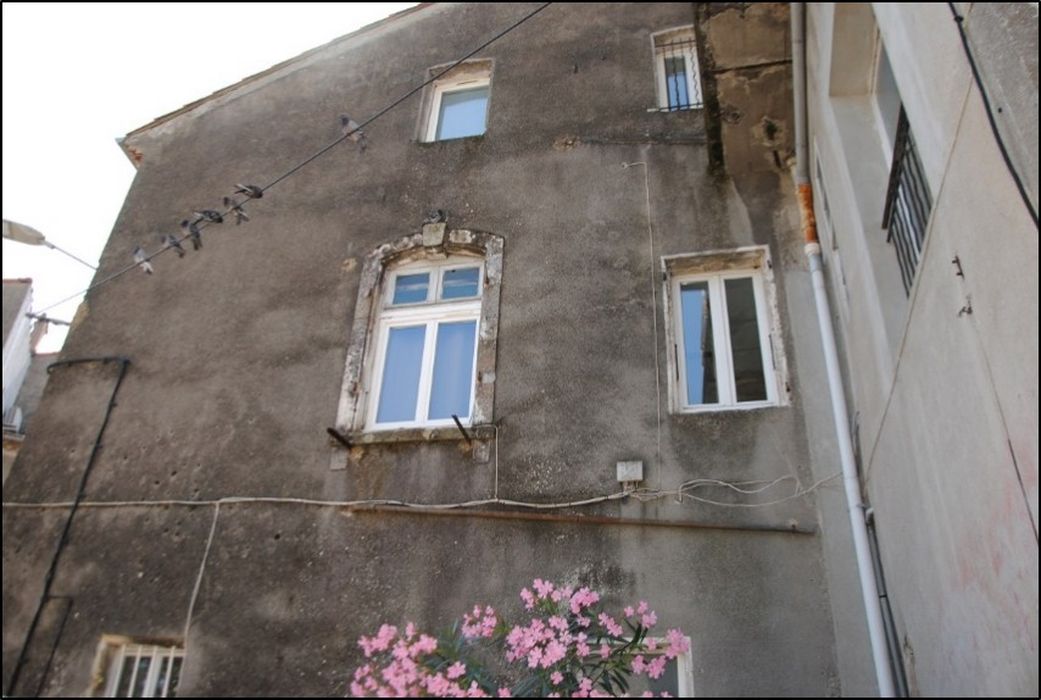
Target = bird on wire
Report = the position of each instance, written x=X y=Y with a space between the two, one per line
x=192 y=228
x=172 y=242
x=141 y=258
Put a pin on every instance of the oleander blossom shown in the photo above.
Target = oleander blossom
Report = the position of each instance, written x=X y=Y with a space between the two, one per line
x=568 y=645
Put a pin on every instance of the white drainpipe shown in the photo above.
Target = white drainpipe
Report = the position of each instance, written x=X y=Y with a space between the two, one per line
x=855 y=504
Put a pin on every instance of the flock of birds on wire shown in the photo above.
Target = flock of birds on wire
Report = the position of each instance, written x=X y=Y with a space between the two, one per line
x=192 y=228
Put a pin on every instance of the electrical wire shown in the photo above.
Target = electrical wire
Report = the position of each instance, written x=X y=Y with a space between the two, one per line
x=640 y=494
x=315 y=156
x=959 y=20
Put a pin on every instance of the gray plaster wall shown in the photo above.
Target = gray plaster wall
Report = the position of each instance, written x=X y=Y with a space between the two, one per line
x=944 y=380
x=238 y=353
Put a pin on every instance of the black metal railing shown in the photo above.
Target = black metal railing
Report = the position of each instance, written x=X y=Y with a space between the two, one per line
x=908 y=203
x=678 y=67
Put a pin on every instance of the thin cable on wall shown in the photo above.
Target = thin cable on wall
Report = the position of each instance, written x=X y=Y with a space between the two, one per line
x=351 y=131
x=959 y=20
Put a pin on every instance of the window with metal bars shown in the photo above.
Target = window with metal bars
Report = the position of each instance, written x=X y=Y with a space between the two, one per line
x=908 y=203
x=144 y=671
x=676 y=69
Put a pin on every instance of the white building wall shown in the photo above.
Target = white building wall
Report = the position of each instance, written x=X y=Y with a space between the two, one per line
x=945 y=398
x=17 y=353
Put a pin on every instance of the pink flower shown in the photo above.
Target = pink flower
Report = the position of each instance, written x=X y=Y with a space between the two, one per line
x=504 y=692
x=650 y=619
x=613 y=628
x=652 y=644
x=544 y=588
x=556 y=677
x=642 y=607
x=528 y=598
x=657 y=667
x=638 y=664
x=629 y=612
x=678 y=644
x=555 y=651
x=455 y=670
x=605 y=651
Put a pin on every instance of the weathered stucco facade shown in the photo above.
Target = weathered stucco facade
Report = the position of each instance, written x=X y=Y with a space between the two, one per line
x=213 y=506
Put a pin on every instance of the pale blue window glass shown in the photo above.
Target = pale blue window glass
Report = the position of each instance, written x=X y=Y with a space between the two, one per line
x=460 y=284
x=698 y=349
x=462 y=113
x=676 y=81
x=399 y=390
x=453 y=370
x=410 y=289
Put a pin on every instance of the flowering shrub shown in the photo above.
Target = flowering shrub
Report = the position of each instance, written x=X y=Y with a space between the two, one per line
x=570 y=647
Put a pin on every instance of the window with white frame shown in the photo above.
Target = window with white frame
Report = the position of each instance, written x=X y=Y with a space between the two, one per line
x=424 y=366
x=676 y=70
x=459 y=103
x=677 y=679
x=134 y=670
x=721 y=332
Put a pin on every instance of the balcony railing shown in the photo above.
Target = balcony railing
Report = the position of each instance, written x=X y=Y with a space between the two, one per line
x=908 y=203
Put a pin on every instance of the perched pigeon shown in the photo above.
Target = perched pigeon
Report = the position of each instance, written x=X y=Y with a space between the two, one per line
x=351 y=130
x=251 y=191
x=210 y=215
x=142 y=260
x=435 y=216
x=172 y=242
x=193 y=233
x=236 y=209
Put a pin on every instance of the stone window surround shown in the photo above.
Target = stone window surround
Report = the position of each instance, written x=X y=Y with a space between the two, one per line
x=436 y=242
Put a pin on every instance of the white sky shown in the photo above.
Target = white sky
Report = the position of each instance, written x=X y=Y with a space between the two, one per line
x=77 y=76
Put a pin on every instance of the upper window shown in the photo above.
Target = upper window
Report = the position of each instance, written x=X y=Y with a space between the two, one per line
x=676 y=70
x=721 y=332
x=459 y=103
x=425 y=361
x=140 y=670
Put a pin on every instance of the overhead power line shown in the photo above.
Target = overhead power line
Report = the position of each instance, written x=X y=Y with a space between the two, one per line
x=348 y=134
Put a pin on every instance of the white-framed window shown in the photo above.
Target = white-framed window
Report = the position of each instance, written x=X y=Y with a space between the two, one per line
x=676 y=70
x=677 y=680
x=721 y=327
x=425 y=360
x=133 y=670
x=459 y=106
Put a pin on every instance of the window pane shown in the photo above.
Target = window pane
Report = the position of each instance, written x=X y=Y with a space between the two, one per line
x=164 y=666
x=698 y=351
x=142 y=676
x=459 y=284
x=175 y=677
x=123 y=688
x=399 y=389
x=749 y=378
x=453 y=370
x=410 y=289
x=887 y=96
x=676 y=81
x=462 y=113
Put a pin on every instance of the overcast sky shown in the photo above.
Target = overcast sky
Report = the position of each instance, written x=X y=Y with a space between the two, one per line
x=77 y=76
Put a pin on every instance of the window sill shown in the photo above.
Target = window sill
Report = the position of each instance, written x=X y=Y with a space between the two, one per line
x=459 y=139
x=670 y=110
x=697 y=410
x=439 y=434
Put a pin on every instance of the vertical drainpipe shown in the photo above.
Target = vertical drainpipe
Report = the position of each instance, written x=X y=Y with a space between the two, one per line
x=855 y=504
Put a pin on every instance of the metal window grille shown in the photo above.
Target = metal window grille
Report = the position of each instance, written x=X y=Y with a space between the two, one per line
x=679 y=79
x=908 y=203
x=145 y=671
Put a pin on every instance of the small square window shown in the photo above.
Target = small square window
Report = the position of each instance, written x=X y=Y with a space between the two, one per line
x=677 y=680
x=132 y=670
x=676 y=70
x=459 y=104
x=721 y=333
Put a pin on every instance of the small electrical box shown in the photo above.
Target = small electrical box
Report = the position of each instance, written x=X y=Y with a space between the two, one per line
x=630 y=471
